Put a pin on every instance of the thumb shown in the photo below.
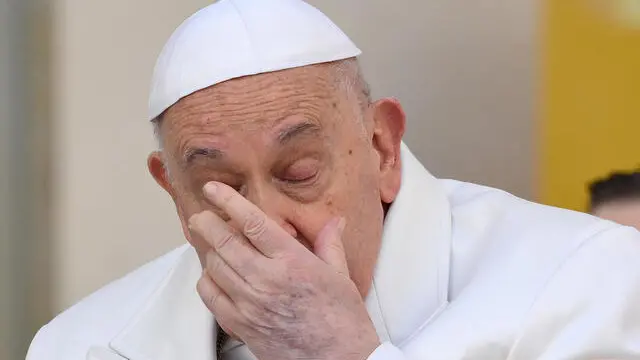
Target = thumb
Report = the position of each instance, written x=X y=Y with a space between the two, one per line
x=329 y=246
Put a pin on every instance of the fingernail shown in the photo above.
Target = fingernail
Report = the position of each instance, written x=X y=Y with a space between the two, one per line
x=341 y=224
x=210 y=189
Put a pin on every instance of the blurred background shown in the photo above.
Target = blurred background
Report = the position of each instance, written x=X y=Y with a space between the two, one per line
x=537 y=97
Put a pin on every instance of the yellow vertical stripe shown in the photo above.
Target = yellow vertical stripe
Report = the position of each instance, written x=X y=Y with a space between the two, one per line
x=591 y=95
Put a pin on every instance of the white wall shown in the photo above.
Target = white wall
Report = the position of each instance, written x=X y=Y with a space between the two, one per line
x=109 y=215
x=462 y=69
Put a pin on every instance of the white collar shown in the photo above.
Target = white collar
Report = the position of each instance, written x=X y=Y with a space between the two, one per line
x=174 y=323
x=411 y=280
x=410 y=284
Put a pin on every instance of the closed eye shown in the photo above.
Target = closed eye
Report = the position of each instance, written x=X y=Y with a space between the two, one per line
x=300 y=180
x=301 y=171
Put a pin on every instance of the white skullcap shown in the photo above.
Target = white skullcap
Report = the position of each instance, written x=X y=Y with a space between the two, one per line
x=235 y=38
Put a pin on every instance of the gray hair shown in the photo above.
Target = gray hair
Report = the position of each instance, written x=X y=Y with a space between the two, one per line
x=347 y=75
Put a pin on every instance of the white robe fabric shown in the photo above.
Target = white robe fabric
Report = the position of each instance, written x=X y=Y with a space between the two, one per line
x=465 y=272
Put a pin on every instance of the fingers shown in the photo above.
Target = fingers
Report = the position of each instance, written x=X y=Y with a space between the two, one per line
x=267 y=236
x=216 y=300
x=225 y=277
x=329 y=246
x=233 y=247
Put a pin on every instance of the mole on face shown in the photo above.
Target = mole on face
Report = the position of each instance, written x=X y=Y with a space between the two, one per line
x=329 y=201
x=350 y=151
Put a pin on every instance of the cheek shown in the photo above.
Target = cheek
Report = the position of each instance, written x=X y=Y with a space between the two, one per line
x=187 y=205
x=362 y=240
x=363 y=209
x=308 y=219
x=353 y=194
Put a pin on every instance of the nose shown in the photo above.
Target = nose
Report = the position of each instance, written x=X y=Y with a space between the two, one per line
x=275 y=205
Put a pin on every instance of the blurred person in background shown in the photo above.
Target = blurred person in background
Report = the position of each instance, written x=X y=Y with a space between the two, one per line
x=314 y=233
x=617 y=198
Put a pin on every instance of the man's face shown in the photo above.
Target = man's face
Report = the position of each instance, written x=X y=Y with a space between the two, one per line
x=299 y=147
x=623 y=212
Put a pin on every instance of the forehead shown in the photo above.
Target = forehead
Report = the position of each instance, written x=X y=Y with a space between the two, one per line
x=259 y=100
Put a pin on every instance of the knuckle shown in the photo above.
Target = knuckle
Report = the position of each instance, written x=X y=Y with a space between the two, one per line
x=224 y=240
x=212 y=300
x=255 y=225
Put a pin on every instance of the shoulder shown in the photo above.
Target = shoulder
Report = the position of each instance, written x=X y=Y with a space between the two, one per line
x=589 y=306
x=494 y=230
x=96 y=319
x=604 y=266
x=502 y=213
x=576 y=277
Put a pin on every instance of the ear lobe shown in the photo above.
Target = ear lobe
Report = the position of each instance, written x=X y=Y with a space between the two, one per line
x=390 y=120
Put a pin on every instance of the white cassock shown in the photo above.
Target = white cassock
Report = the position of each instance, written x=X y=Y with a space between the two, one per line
x=465 y=272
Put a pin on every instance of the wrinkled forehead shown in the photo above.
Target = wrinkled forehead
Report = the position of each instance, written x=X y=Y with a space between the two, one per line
x=256 y=101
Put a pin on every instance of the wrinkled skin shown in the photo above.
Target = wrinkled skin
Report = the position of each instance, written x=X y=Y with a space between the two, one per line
x=297 y=153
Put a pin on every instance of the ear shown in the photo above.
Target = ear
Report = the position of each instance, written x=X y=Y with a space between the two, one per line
x=389 y=126
x=158 y=169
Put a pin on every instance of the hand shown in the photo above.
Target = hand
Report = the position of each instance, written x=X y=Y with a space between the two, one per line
x=268 y=290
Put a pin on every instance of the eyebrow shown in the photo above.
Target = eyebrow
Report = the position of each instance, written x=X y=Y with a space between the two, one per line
x=284 y=136
x=303 y=128
x=191 y=154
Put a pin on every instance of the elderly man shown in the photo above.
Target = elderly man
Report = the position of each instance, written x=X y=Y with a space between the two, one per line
x=314 y=233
